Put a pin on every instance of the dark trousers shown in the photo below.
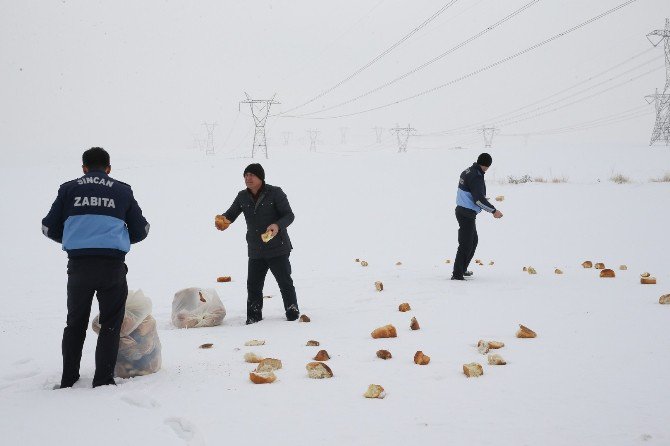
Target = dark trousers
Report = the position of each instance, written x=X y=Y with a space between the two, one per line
x=87 y=276
x=281 y=269
x=467 y=239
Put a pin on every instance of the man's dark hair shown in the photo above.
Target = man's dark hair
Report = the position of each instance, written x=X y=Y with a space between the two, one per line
x=485 y=160
x=95 y=158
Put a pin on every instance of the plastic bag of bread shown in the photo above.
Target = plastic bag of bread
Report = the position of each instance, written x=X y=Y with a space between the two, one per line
x=197 y=307
x=139 y=348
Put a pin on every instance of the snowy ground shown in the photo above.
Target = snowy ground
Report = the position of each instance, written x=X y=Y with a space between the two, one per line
x=595 y=375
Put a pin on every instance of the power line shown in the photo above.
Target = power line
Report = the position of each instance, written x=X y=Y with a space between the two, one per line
x=374 y=60
x=485 y=68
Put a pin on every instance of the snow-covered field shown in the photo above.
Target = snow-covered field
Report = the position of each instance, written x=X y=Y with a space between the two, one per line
x=595 y=375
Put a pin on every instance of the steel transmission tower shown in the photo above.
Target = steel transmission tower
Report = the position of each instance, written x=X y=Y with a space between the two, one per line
x=287 y=136
x=488 y=133
x=403 y=136
x=209 y=147
x=661 y=130
x=260 y=108
x=313 y=136
x=378 y=132
x=343 y=135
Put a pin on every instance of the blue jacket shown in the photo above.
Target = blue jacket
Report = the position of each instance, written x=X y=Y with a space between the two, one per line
x=472 y=190
x=95 y=215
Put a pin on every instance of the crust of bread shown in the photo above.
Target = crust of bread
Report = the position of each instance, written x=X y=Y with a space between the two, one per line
x=525 y=332
x=322 y=355
x=387 y=331
x=318 y=370
x=262 y=377
x=587 y=264
x=420 y=358
x=404 y=307
x=414 y=324
x=473 y=370
x=607 y=273
x=648 y=280
x=375 y=391
x=384 y=354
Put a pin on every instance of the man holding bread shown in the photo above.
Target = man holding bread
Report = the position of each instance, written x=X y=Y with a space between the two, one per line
x=268 y=214
x=470 y=201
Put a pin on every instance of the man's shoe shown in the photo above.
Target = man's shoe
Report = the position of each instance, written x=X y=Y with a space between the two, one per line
x=467 y=273
x=457 y=277
x=292 y=316
x=252 y=321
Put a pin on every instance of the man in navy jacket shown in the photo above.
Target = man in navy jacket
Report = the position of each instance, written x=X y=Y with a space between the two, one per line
x=470 y=201
x=266 y=210
x=96 y=219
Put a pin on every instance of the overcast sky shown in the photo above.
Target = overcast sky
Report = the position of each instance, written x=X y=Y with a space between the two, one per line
x=142 y=77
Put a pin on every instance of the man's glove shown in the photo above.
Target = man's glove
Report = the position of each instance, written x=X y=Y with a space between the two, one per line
x=221 y=222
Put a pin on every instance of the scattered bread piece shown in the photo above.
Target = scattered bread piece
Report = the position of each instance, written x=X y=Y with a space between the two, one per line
x=483 y=347
x=607 y=273
x=384 y=354
x=252 y=358
x=387 y=331
x=473 y=370
x=268 y=365
x=208 y=345
x=357 y=260
x=318 y=370
x=267 y=236
x=558 y=271
x=304 y=318
x=322 y=356
x=664 y=299
x=525 y=269
x=478 y=261
x=375 y=391
x=221 y=222
x=491 y=263
x=379 y=286
x=623 y=267
x=414 y=324
x=398 y=263
x=648 y=280
x=224 y=279
x=254 y=343
x=645 y=275
x=496 y=344
x=525 y=332
x=599 y=265
x=587 y=264
x=364 y=263
x=447 y=261
x=496 y=359
x=404 y=307
x=262 y=377
x=531 y=270
x=420 y=358
x=500 y=198
x=312 y=343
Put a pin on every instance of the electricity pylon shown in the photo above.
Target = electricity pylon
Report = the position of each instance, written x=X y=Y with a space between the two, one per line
x=260 y=108
x=661 y=101
x=343 y=135
x=287 y=136
x=488 y=133
x=313 y=136
x=209 y=147
x=378 y=132
x=403 y=133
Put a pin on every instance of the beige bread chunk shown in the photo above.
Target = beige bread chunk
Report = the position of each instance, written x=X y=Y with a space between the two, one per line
x=525 y=269
x=623 y=267
x=379 y=286
x=267 y=236
x=375 y=391
x=403 y=307
x=414 y=324
x=558 y=271
x=268 y=365
x=357 y=260
x=322 y=355
x=496 y=344
x=262 y=377
x=599 y=265
x=645 y=275
x=500 y=198
x=318 y=370
x=483 y=347
x=387 y=331
x=531 y=270
x=587 y=264
x=364 y=263
x=664 y=299
x=221 y=222
x=384 y=354
x=491 y=263
x=607 y=273
x=312 y=343
x=420 y=358
x=496 y=359
x=473 y=370
x=252 y=358
x=447 y=261
x=304 y=318
x=254 y=343
x=208 y=345
x=648 y=280
x=398 y=263
x=525 y=332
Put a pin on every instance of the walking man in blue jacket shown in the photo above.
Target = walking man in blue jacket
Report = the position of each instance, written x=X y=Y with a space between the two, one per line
x=267 y=212
x=96 y=219
x=470 y=201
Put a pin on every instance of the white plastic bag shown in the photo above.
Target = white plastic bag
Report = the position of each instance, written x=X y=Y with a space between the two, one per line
x=139 y=345
x=197 y=307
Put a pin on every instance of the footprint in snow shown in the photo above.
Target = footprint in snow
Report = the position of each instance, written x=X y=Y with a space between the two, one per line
x=22 y=374
x=23 y=361
x=184 y=429
x=140 y=400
